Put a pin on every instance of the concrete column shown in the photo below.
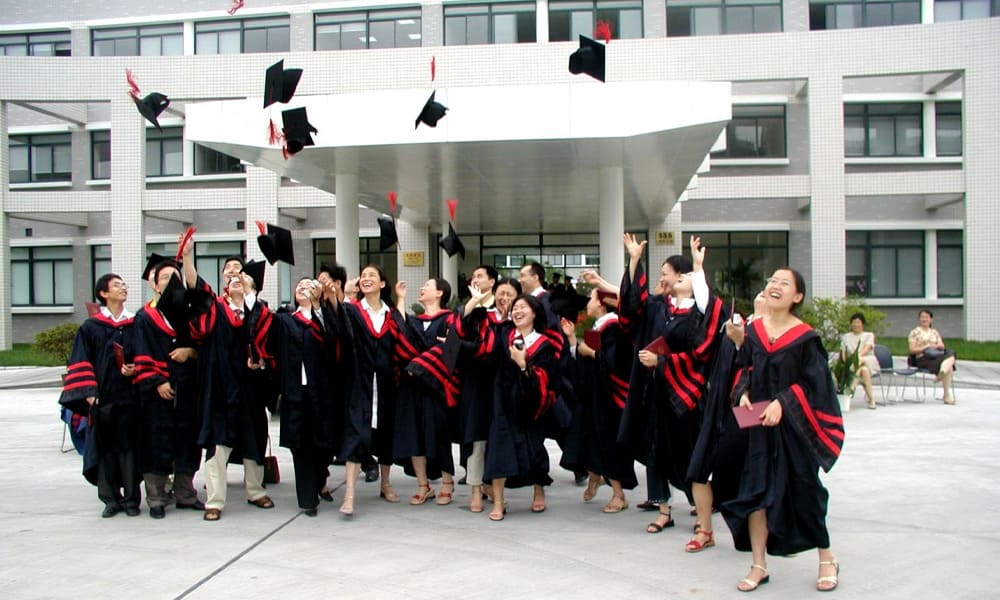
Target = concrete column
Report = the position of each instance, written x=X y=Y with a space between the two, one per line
x=827 y=209
x=654 y=19
x=431 y=25
x=188 y=38
x=449 y=265
x=128 y=187
x=412 y=238
x=542 y=21
x=611 y=217
x=300 y=21
x=347 y=216
x=79 y=40
x=930 y=129
x=980 y=122
x=930 y=263
x=6 y=323
x=262 y=205
x=657 y=253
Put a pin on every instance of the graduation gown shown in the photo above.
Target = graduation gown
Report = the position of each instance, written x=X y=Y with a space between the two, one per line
x=515 y=447
x=93 y=370
x=169 y=431
x=781 y=472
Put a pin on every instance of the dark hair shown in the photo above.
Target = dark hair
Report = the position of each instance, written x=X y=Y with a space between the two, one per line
x=536 y=269
x=926 y=310
x=238 y=259
x=163 y=265
x=444 y=287
x=859 y=317
x=536 y=307
x=385 y=294
x=507 y=281
x=800 y=286
x=335 y=271
x=491 y=272
x=103 y=285
x=679 y=263
x=556 y=277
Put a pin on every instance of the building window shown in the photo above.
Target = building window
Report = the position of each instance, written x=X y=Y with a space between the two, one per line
x=100 y=155
x=42 y=276
x=950 y=264
x=960 y=10
x=755 y=132
x=885 y=264
x=40 y=158
x=324 y=251
x=100 y=262
x=742 y=260
x=840 y=14
x=883 y=129
x=398 y=28
x=501 y=23
x=569 y=19
x=53 y=43
x=244 y=36
x=164 y=152
x=210 y=257
x=949 y=128
x=154 y=40
x=211 y=162
x=716 y=17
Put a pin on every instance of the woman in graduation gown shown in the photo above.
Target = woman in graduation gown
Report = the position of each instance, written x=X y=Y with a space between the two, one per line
x=781 y=505
x=428 y=395
x=526 y=356
x=668 y=384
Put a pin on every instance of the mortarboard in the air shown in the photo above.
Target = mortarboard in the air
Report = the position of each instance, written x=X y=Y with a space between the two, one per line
x=151 y=106
x=588 y=58
x=568 y=306
x=255 y=270
x=276 y=243
x=386 y=233
x=296 y=128
x=451 y=244
x=431 y=113
x=280 y=83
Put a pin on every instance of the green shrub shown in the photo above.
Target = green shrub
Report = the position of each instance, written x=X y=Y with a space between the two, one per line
x=57 y=341
x=831 y=317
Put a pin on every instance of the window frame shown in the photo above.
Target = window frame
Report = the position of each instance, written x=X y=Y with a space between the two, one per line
x=33 y=264
x=492 y=11
x=364 y=17
x=819 y=7
x=867 y=247
x=137 y=34
x=725 y=7
x=942 y=108
x=755 y=120
x=242 y=26
x=34 y=143
x=950 y=245
x=993 y=12
x=101 y=136
x=58 y=40
x=204 y=154
x=867 y=117
x=598 y=9
x=155 y=141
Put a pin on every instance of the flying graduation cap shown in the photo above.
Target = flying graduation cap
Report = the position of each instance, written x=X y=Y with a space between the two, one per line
x=280 y=83
x=255 y=270
x=296 y=129
x=387 y=226
x=431 y=113
x=151 y=105
x=588 y=59
x=451 y=243
x=275 y=243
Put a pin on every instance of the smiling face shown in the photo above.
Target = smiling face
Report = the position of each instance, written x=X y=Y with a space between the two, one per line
x=668 y=277
x=925 y=319
x=505 y=295
x=302 y=292
x=236 y=289
x=117 y=292
x=781 y=292
x=522 y=315
x=231 y=269
x=857 y=326
x=370 y=282
x=481 y=280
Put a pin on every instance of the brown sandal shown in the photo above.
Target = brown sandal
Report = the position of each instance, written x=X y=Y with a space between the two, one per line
x=262 y=502
x=444 y=497
x=616 y=505
x=212 y=514
x=424 y=493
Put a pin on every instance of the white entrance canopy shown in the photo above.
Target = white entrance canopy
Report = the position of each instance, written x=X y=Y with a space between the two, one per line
x=524 y=158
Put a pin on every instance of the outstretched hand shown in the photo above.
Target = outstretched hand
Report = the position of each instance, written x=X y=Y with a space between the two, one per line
x=697 y=253
x=635 y=248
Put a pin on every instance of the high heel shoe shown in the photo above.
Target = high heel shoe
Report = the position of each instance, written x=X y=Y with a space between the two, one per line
x=443 y=497
x=828 y=579
x=347 y=508
x=388 y=494
x=748 y=585
x=424 y=493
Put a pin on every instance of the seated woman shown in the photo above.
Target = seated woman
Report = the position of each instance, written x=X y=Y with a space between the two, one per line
x=863 y=342
x=929 y=353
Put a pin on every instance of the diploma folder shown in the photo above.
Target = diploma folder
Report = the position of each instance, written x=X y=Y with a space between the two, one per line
x=592 y=338
x=750 y=418
x=658 y=346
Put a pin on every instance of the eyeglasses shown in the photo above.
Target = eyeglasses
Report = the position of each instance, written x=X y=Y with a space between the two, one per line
x=119 y=285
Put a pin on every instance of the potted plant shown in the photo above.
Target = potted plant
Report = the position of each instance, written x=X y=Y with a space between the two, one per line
x=844 y=370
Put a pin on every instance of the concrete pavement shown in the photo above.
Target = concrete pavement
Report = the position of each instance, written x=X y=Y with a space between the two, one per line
x=913 y=514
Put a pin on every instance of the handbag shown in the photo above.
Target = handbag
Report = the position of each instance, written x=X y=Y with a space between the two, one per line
x=271 y=472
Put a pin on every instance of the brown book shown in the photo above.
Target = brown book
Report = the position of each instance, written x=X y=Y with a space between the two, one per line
x=592 y=338
x=747 y=418
x=658 y=346
x=119 y=354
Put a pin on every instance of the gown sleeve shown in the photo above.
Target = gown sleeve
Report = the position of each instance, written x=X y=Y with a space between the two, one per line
x=81 y=377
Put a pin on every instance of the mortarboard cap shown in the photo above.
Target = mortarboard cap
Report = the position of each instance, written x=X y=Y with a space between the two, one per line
x=568 y=306
x=151 y=106
x=431 y=113
x=588 y=58
x=154 y=261
x=280 y=83
x=296 y=127
x=386 y=233
x=171 y=302
x=451 y=244
x=276 y=245
x=255 y=270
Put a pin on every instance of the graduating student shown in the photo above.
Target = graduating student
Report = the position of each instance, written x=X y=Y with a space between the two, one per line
x=99 y=385
x=781 y=505
x=426 y=410
x=667 y=384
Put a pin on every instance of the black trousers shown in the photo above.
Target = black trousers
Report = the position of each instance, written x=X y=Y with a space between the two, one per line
x=118 y=479
x=310 y=465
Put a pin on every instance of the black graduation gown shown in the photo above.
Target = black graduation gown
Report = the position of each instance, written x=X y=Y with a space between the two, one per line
x=232 y=414
x=515 y=448
x=660 y=421
x=309 y=420
x=781 y=473
x=169 y=438
x=426 y=409
x=93 y=370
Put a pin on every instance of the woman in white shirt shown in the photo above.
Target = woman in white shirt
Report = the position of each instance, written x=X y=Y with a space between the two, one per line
x=863 y=342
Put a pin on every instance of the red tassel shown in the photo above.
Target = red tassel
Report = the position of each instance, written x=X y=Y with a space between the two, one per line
x=452 y=205
x=433 y=68
x=284 y=152
x=133 y=86
x=187 y=238
x=392 y=202
x=603 y=31
x=262 y=227
x=237 y=4
x=273 y=135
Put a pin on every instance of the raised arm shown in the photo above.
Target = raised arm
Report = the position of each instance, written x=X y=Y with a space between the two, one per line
x=635 y=250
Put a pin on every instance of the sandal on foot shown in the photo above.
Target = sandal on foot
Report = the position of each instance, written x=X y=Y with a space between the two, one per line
x=616 y=505
x=347 y=507
x=748 y=585
x=498 y=514
x=694 y=545
x=592 y=484
x=647 y=505
x=388 y=494
x=424 y=493
x=476 y=502
x=444 y=497
x=828 y=583
x=538 y=506
x=262 y=502
x=657 y=527
x=212 y=514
